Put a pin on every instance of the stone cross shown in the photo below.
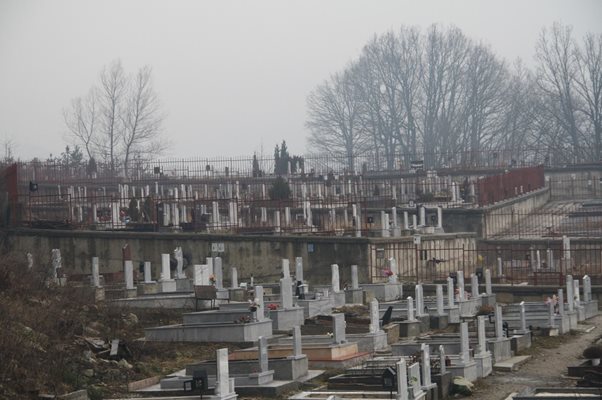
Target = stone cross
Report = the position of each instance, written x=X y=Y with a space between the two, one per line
x=286 y=293
x=148 y=278
x=450 y=292
x=338 y=328
x=297 y=344
x=234 y=274
x=440 y=309
x=354 y=280
x=474 y=285
x=570 y=296
x=218 y=272
x=374 y=317
x=411 y=309
x=523 y=317
x=286 y=271
x=299 y=269
x=394 y=270
x=499 y=328
x=336 y=288
x=259 y=302
x=481 y=335
x=222 y=384
x=165 y=268
x=426 y=365
x=460 y=285
x=419 y=301
x=95 y=272
x=29 y=261
x=177 y=253
x=262 y=343
x=56 y=261
x=464 y=344
x=402 y=380
x=442 y=366
x=488 y=289
x=561 y=302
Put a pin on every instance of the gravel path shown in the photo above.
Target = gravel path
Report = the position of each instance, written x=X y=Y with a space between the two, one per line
x=547 y=367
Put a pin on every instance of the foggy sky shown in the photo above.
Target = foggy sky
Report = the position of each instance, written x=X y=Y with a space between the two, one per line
x=233 y=76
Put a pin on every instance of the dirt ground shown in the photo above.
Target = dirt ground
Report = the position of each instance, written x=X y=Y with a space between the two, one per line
x=547 y=367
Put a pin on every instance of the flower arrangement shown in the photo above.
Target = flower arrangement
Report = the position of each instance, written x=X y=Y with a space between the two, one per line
x=244 y=319
x=272 y=306
x=212 y=279
x=387 y=273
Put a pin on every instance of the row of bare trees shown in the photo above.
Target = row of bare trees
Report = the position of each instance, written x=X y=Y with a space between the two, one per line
x=438 y=96
x=119 y=120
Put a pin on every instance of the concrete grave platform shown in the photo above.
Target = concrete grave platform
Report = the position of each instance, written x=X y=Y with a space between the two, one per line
x=511 y=364
x=211 y=332
x=312 y=308
x=284 y=320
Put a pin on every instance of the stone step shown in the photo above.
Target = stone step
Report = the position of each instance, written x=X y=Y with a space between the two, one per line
x=511 y=364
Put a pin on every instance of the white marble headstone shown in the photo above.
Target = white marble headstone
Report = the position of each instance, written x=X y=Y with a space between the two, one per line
x=299 y=268
x=336 y=285
x=354 y=277
x=374 y=316
x=286 y=271
x=95 y=272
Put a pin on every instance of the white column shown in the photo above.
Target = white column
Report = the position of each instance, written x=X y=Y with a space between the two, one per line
x=165 y=268
x=222 y=384
x=570 y=296
x=461 y=285
x=499 y=329
x=426 y=365
x=440 y=310
x=450 y=292
x=336 y=288
x=354 y=277
x=464 y=343
x=286 y=272
x=234 y=275
x=95 y=272
x=374 y=317
x=474 y=285
x=129 y=274
x=439 y=217
x=481 y=335
x=402 y=380
x=299 y=268
x=411 y=316
x=488 y=289
x=147 y=272
x=523 y=319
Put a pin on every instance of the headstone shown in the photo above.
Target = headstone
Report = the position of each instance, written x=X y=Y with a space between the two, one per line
x=204 y=275
x=587 y=289
x=411 y=309
x=286 y=292
x=551 y=314
x=538 y=262
x=197 y=275
x=464 y=344
x=426 y=364
x=180 y=263
x=222 y=384
x=263 y=353
x=440 y=217
x=450 y=291
x=374 y=314
x=482 y=339
x=299 y=268
x=148 y=278
x=460 y=285
x=402 y=380
x=442 y=366
x=297 y=345
x=488 y=289
x=499 y=328
x=566 y=248
x=414 y=379
x=500 y=270
x=354 y=280
x=234 y=280
x=218 y=272
x=95 y=272
x=286 y=272
x=561 y=302
x=440 y=310
x=406 y=224
x=165 y=267
x=576 y=292
x=474 y=285
x=56 y=261
x=394 y=270
x=259 y=302
x=338 y=328
x=570 y=296
x=523 y=317
x=336 y=288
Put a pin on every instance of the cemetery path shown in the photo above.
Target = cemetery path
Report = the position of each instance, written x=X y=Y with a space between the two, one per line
x=547 y=367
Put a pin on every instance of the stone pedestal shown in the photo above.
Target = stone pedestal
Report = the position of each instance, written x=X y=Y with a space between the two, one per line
x=409 y=328
x=168 y=286
x=500 y=349
x=337 y=299
x=130 y=293
x=453 y=314
x=488 y=300
x=148 y=288
x=467 y=370
x=284 y=320
x=354 y=296
x=439 y=321
x=580 y=313
x=520 y=341
x=184 y=285
x=484 y=364
x=425 y=322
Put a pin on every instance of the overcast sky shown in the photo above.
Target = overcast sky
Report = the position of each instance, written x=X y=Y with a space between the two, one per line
x=233 y=76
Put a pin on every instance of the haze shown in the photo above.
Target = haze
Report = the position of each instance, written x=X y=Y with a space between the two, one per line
x=233 y=76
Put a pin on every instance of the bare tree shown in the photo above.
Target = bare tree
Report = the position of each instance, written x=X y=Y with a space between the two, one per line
x=333 y=116
x=141 y=119
x=556 y=74
x=81 y=120
x=113 y=87
x=589 y=87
